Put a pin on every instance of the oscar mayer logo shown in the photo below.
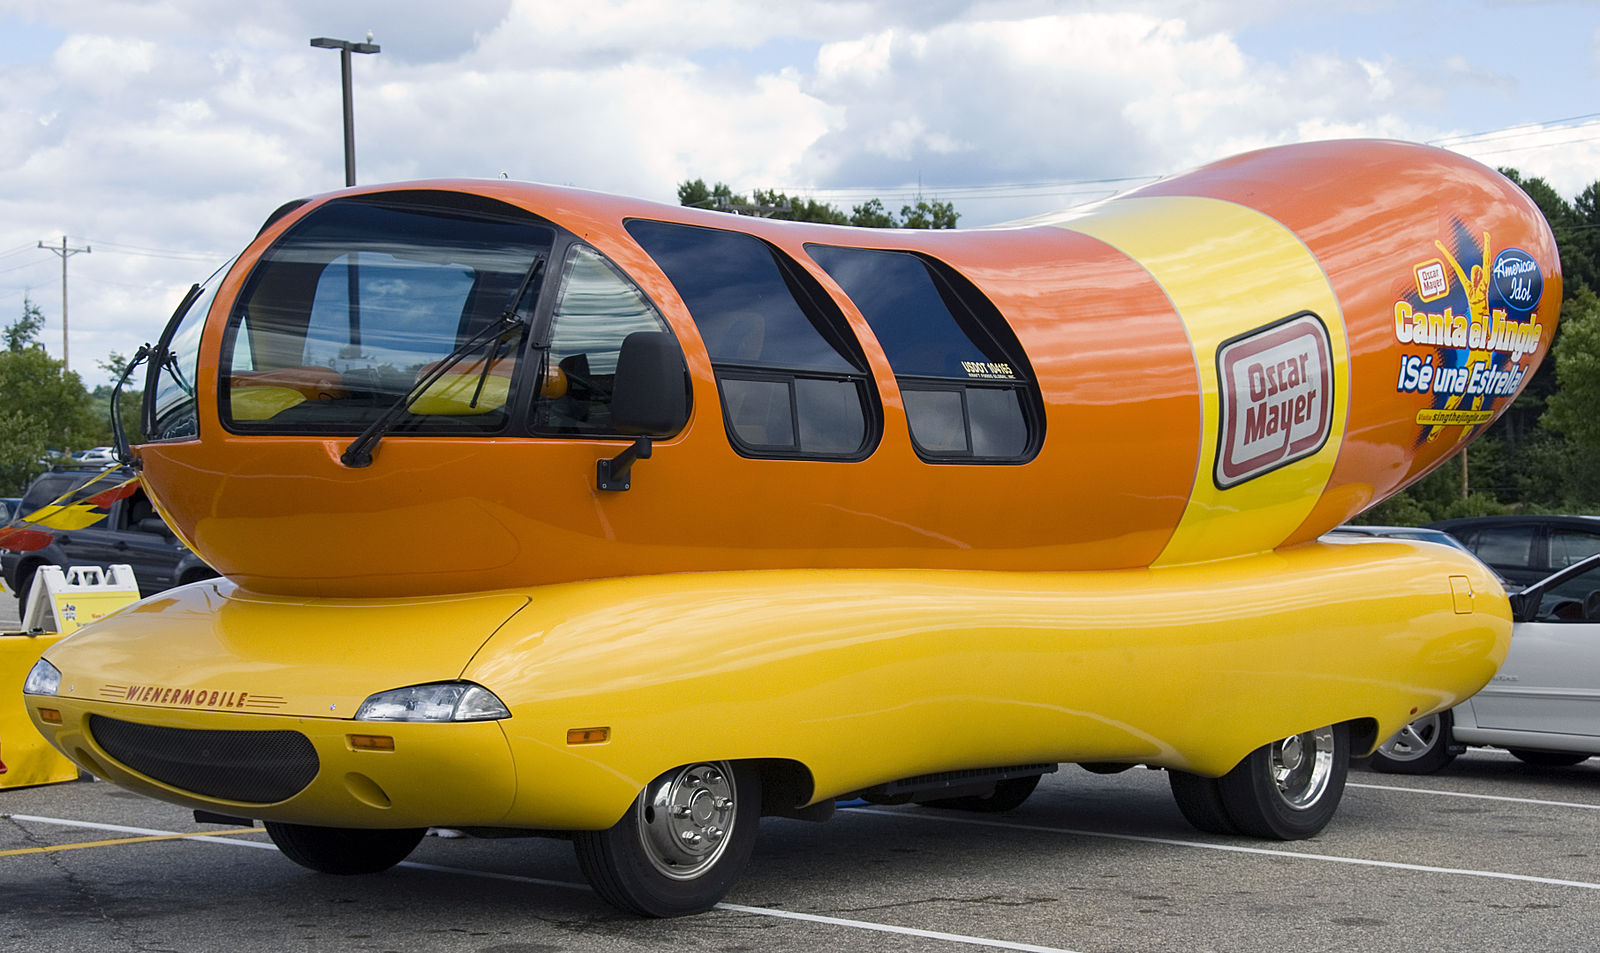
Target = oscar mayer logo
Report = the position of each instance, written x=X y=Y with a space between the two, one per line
x=1276 y=391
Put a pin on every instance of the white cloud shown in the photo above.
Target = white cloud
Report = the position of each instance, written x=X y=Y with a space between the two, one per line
x=177 y=125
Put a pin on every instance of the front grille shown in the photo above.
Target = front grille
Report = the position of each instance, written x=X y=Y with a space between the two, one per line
x=259 y=767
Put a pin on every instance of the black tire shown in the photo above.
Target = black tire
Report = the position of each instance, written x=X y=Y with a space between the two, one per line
x=1548 y=759
x=25 y=577
x=344 y=850
x=1200 y=801
x=1421 y=747
x=682 y=844
x=1289 y=789
x=1008 y=795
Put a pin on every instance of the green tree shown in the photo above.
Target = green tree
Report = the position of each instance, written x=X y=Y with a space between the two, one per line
x=769 y=203
x=871 y=214
x=44 y=407
x=929 y=215
x=1570 y=411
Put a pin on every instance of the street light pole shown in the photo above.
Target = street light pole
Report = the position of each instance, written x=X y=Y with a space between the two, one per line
x=345 y=48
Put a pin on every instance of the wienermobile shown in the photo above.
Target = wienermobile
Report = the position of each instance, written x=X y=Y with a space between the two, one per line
x=547 y=511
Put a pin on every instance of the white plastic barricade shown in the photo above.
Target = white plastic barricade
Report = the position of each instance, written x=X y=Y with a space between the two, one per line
x=66 y=600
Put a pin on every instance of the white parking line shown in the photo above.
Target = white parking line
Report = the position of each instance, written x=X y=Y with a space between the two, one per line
x=1231 y=848
x=1481 y=797
x=959 y=938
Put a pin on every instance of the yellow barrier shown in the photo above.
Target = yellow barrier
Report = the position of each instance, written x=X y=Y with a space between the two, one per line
x=25 y=757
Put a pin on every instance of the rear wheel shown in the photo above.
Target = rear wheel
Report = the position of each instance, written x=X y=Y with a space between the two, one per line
x=1289 y=789
x=1008 y=795
x=1421 y=747
x=344 y=850
x=1200 y=801
x=681 y=845
x=1548 y=759
x=1286 y=790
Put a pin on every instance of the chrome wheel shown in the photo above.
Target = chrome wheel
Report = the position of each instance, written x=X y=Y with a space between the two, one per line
x=682 y=843
x=685 y=817
x=1285 y=790
x=1302 y=766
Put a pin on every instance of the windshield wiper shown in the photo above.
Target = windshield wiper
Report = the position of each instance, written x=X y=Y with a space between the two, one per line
x=509 y=323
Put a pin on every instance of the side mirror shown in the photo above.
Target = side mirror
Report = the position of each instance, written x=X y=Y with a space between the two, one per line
x=650 y=394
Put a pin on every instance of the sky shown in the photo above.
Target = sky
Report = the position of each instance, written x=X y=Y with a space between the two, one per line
x=159 y=134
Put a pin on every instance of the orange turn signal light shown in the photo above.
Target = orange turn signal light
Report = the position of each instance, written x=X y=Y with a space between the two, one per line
x=50 y=715
x=588 y=736
x=371 y=742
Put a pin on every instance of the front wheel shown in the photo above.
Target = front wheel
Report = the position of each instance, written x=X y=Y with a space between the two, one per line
x=1421 y=747
x=681 y=845
x=344 y=850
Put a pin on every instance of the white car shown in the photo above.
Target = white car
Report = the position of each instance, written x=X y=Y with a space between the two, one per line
x=1543 y=705
x=96 y=457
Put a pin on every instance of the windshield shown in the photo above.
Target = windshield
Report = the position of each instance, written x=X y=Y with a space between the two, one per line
x=358 y=302
x=169 y=409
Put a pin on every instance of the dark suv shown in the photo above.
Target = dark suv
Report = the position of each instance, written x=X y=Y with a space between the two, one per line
x=1526 y=549
x=131 y=533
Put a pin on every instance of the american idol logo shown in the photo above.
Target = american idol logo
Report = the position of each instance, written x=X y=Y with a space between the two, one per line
x=1518 y=282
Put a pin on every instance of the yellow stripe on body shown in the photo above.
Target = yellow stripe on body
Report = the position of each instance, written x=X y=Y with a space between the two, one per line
x=1228 y=269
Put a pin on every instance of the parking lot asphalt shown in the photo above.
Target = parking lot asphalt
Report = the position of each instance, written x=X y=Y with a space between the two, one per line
x=1488 y=855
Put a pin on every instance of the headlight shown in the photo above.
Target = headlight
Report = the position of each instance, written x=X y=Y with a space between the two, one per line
x=43 y=679
x=440 y=701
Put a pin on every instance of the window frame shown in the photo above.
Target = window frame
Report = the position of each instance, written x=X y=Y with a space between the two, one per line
x=825 y=316
x=979 y=320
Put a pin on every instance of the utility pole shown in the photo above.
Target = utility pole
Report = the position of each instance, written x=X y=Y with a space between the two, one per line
x=345 y=48
x=65 y=253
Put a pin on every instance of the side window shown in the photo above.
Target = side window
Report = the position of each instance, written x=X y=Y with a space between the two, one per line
x=170 y=409
x=966 y=383
x=1568 y=546
x=596 y=311
x=1574 y=600
x=792 y=378
x=1504 y=545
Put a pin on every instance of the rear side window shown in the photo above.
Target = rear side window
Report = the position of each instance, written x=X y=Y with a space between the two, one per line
x=1503 y=545
x=966 y=383
x=792 y=378
x=1568 y=546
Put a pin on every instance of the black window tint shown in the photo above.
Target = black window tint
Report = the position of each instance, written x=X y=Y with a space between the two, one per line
x=1574 y=600
x=792 y=378
x=937 y=420
x=911 y=319
x=742 y=302
x=761 y=412
x=1504 y=546
x=962 y=374
x=1568 y=546
x=829 y=415
x=998 y=421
